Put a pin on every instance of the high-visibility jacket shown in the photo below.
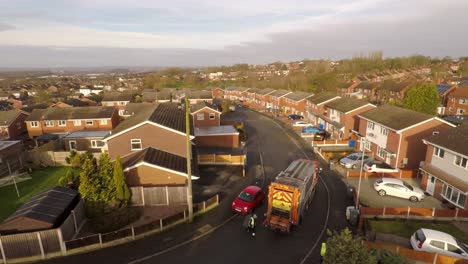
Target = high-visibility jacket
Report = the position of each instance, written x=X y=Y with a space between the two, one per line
x=323 y=250
x=252 y=222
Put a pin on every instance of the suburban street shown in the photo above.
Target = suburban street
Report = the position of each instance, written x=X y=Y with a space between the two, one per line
x=267 y=144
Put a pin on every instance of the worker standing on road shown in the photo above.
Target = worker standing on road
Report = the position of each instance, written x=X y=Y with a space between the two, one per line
x=252 y=223
x=323 y=251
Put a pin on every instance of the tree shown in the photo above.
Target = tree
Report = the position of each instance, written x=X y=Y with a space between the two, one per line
x=89 y=184
x=422 y=98
x=122 y=193
x=69 y=180
x=105 y=178
x=342 y=248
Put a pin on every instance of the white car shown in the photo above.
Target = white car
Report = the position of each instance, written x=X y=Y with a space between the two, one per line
x=354 y=160
x=438 y=242
x=302 y=124
x=398 y=188
x=378 y=167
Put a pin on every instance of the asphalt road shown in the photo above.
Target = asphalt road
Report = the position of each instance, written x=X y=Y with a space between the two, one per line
x=268 y=144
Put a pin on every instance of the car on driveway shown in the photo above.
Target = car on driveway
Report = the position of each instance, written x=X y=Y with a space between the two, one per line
x=295 y=117
x=310 y=130
x=250 y=198
x=321 y=135
x=302 y=124
x=438 y=242
x=378 y=167
x=398 y=188
x=354 y=160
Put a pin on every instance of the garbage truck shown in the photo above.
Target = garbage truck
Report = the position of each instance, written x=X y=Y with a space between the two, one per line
x=290 y=194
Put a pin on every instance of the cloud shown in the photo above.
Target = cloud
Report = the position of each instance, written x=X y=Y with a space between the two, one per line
x=5 y=27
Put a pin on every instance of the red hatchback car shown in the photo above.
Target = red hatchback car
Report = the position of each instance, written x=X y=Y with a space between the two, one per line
x=248 y=199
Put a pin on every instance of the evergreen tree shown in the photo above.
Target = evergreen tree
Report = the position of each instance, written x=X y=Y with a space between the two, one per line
x=89 y=184
x=105 y=178
x=342 y=248
x=422 y=98
x=122 y=193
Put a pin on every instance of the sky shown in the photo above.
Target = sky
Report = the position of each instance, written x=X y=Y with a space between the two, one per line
x=193 y=33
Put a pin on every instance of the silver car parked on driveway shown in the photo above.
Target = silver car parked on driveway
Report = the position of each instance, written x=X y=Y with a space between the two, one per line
x=354 y=160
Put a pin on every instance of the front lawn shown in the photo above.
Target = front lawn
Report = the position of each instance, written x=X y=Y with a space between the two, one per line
x=406 y=229
x=42 y=180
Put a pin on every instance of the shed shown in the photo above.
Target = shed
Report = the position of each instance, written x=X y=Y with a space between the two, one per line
x=44 y=211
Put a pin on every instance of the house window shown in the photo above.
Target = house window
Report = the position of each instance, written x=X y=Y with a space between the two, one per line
x=212 y=116
x=122 y=103
x=135 y=144
x=72 y=145
x=463 y=101
x=461 y=161
x=49 y=123
x=77 y=122
x=97 y=143
x=368 y=145
x=201 y=116
x=89 y=122
x=370 y=125
x=453 y=195
x=121 y=112
x=439 y=152
x=62 y=123
x=103 y=121
x=460 y=111
x=383 y=131
x=34 y=124
x=380 y=152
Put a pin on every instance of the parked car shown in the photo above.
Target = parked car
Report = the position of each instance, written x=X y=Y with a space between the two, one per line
x=354 y=160
x=310 y=130
x=321 y=135
x=250 y=198
x=295 y=117
x=302 y=124
x=377 y=166
x=438 y=242
x=398 y=188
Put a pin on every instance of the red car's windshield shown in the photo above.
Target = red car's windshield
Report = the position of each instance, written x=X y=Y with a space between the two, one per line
x=246 y=197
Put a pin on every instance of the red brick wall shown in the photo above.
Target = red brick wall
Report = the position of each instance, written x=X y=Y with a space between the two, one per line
x=454 y=103
x=17 y=127
x=429 y=154
x=227 y=141
x=217 y=93
x=351 y=120
x=206 y=118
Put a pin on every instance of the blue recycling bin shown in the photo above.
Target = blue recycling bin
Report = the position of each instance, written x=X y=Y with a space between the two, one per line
x=321 y=126
x=352 y=143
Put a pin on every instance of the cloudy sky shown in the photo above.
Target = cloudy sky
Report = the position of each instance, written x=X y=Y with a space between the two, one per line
x=64 y=33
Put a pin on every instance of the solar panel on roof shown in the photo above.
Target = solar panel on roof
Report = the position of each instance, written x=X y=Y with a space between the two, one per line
x=442 y=88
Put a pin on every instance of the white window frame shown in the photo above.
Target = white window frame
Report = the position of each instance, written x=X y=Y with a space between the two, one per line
x=49 y=123
x=87 y=124
x=121 y=112
x=135 y=141
x=370 y=125
x=60 y=124
x=70 y=144
x=201 y=116
x=94 y=144
x=448 y=192
x=367 y=145
x=463 y=101
x=462 y=160
x=438 y=152
x=460 y=111
x=383 y=131
x=34 y=124
x=380 y=151
x=103 y=121
x=77 y=122
x=212 y=116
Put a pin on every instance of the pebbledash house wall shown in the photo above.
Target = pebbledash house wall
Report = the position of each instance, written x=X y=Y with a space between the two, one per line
x=146 y=176
x=151 y=136
x=206 y=118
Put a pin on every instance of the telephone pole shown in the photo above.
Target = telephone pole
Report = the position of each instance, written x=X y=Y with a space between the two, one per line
x=189 y=161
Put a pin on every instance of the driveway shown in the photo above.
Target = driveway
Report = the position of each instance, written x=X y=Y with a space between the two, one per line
x=369 y=197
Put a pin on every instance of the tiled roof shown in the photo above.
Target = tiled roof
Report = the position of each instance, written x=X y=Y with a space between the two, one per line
x=394 y=117
x=454 y=139
x=241 y=89
x=90 y=112
x=395 y=86
x=201 y=105
x=75 y=102
x=155 y=96
x=265 y=91
x=321 y=97
x=199 y=95
x=254 y=90
x=135 y=108
x=345 y=105
x=366 y=86
x=7 y=117
x=110 y=97
x=461 y=91
x=297 y=96
x=159 y=158
x=279 y=93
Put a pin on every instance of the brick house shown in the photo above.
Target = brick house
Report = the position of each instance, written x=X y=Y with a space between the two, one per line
x=367 y=89
x=445 y=169
x=226 y=137
x=273 y=103
x=117 y=100
x=217 y=93
x=262 y=97
x=11 y=153
x=340 y=118
x=346 y=88
x=294 y=103
x=91 y=141
x=250 y=98
x=393 y=91
x=394 y=134
x=195 y=97
x=204 y=114
x=236 y=93
x=69 y=120
x=457 y=101
x=12 y=123
x=316 y=106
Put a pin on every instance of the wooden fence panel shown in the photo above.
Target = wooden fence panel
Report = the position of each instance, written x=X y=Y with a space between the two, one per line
x=155 y=195
x=396 y=211
x=416 y=255
x=21 y=245
x=50 y=241
x=371 y=211
x=136 y=198
x=462 y=213
x=68 y=228
x=449 y=260
x=177 y=195
x=444 y=213
x=421 y=211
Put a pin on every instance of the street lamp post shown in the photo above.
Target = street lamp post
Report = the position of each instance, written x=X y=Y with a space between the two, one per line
x=360 y=171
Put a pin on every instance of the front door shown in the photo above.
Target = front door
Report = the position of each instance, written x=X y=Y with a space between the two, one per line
x=431 y=181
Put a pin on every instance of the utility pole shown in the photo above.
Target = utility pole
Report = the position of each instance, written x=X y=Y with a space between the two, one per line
x=189 y=162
